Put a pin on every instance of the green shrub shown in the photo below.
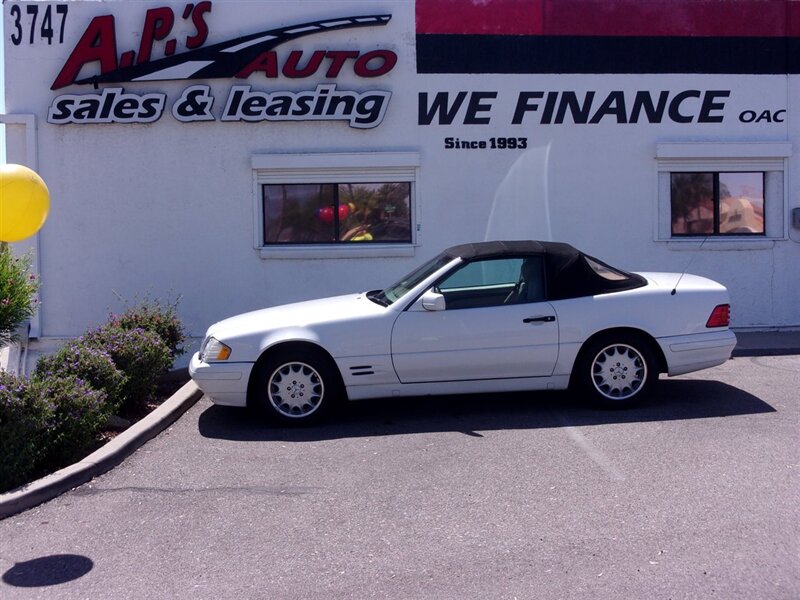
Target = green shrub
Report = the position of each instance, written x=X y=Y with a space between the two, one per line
x=79 y=413
x=54 y=418
x=25 y=422
x=156 y=317
x=45 y=425
x=91 y=364
x=139 y=354
x=17 y=288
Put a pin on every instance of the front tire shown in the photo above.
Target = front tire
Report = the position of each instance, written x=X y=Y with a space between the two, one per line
x=617 y=371
x=295 y=387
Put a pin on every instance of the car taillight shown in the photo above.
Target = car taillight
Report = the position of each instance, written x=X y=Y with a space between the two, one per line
x=720 y=316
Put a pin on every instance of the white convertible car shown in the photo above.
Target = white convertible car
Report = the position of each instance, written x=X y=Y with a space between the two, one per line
x=484 y=317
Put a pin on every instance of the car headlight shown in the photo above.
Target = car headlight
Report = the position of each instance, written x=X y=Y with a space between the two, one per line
x=214 y=350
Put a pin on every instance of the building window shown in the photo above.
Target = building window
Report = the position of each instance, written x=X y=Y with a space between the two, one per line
x=728 y=203
x=730 y=193
x=333 y=213
x=336 y=205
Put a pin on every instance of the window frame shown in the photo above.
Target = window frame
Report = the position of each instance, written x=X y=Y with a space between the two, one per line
x=770 y=158
x=335 y=168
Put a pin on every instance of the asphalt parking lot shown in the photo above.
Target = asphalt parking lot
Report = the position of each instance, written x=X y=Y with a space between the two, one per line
x=693 y=495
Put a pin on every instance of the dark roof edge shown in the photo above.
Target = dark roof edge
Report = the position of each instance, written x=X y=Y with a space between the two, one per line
x=505 y=247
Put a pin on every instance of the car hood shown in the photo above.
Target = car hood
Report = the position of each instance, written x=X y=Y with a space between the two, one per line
x=299 y=314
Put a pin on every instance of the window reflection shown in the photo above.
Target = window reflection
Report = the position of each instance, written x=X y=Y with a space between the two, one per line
x=692 y=203
x=741 y=209
x=337 y=212
x=717 y=203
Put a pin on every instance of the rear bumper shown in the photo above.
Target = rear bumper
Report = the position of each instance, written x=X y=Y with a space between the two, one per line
x=224 y=383
x=687 y=353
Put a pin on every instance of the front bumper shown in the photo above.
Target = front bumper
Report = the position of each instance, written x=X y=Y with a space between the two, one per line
x=225 y=383
x=687 y=353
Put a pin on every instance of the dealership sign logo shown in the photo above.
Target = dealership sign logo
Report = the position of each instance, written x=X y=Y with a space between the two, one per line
x=239 y=58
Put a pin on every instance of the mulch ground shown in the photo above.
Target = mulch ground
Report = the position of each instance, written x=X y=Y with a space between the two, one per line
x=168 y=385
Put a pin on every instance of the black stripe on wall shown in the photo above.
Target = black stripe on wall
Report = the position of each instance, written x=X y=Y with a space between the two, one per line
x=448 y=53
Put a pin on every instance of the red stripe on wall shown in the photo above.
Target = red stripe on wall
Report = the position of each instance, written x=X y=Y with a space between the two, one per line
x=701 y=18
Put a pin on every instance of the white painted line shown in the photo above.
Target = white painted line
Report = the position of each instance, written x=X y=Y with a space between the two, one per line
x=600 y=459
x=181 y=71
x=258 y=40
x=303 y=29
x=335 y=23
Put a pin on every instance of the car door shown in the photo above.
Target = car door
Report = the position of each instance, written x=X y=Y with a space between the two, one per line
x=486 y=329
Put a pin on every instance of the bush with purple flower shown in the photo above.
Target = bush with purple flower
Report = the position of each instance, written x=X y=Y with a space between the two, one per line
x=140 y=355
x=25 y=420
x=157 y=317
x=89 y=363
x=45 y=424
x=57 y=416
x=79 y=413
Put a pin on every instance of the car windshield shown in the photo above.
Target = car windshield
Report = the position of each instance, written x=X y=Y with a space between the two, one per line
x=394 y=292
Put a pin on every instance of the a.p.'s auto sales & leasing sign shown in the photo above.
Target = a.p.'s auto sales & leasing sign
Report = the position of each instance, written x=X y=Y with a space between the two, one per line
x=238 y=58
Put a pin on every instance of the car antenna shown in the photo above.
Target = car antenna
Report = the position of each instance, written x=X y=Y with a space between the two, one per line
x=689 y=264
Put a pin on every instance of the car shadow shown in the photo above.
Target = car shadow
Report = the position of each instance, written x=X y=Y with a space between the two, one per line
x=470 y=414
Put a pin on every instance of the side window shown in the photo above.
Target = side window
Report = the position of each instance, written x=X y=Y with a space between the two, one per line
x=494 y=282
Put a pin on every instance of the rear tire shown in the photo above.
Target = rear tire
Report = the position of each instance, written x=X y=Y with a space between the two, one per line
x=617 y=370
x=295 y=387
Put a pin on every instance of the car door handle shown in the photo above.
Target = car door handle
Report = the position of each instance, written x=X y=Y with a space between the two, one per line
x=545 y=319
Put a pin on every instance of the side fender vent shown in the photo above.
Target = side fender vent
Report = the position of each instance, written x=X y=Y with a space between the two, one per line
x=362 y=370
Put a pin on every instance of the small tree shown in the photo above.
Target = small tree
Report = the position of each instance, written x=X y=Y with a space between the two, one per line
x=17 y=290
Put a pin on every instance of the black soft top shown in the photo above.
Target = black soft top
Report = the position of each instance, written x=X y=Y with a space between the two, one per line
x=568 y=271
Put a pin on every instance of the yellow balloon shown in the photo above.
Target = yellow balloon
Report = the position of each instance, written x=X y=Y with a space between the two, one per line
x=24 y=203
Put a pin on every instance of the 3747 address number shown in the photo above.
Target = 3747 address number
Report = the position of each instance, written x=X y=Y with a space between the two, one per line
x=51 y=27
x=493 y=143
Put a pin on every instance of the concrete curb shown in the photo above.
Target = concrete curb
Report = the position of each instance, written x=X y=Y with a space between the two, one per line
x=754 y=352
x=103 y=459
x=779 y=342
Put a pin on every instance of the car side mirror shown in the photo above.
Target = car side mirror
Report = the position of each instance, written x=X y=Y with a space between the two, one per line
x=432 y=301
